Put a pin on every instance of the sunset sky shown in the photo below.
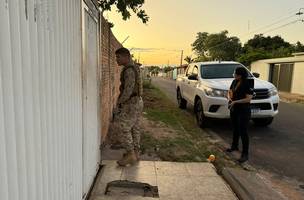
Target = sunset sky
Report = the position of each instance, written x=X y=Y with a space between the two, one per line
x=174 y=23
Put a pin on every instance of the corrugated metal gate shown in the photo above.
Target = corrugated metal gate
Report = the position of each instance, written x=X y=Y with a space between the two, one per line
x=281 y=76
x=91 y=129
x=41 y=113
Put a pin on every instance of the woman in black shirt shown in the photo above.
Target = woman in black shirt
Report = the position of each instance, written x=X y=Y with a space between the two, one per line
x=240 y=95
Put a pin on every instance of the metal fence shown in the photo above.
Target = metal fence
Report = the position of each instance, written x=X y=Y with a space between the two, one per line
x=41 y=102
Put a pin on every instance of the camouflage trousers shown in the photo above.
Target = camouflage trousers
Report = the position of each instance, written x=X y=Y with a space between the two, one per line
x=127 y=123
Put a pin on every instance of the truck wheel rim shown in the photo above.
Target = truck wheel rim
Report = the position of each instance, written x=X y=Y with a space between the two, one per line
x=199 y=113
x=178 y=97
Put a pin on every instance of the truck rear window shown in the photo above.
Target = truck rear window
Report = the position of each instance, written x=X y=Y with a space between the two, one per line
x=215 y=71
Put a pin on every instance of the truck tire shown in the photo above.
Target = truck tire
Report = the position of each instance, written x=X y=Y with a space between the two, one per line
x=263 y=121
x=199 y=114
x=182 y=103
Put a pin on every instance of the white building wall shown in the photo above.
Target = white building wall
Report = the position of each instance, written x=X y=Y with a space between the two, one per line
x=298 y=81
x=40 y=100
x=262 y=68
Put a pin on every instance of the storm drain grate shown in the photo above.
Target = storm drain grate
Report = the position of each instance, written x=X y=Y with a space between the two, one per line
x=125 y=187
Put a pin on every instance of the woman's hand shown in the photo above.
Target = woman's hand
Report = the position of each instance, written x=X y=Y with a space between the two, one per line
x=245 y=100
x=230 y=95
x=232 y=103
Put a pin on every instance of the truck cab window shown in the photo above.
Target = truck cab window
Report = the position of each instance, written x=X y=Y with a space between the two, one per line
x=195 y=70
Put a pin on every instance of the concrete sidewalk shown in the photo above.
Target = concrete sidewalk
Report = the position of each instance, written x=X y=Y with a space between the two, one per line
x=290 y=97
x=175 y=181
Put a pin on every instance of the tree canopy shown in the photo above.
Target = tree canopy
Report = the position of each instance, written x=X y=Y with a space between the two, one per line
x=125 y=8
x=167 y=69
x=216 y=46
x=266 y=43
x=219 y=46
x=262 y=47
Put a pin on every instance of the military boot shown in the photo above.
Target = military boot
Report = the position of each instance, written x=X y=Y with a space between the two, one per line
x=128 y=158
x=137 y=154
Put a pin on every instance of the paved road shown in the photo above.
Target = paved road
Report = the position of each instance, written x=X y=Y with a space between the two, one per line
x=278 y=148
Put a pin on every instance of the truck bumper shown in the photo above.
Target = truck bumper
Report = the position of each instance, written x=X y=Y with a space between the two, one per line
x=218 y=107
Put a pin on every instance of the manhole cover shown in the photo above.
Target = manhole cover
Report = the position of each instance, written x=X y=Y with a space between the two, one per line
x=125 y=187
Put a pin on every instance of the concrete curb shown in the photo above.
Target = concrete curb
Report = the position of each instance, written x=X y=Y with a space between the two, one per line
x=249 y=185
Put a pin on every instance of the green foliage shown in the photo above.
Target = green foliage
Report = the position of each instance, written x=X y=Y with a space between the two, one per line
x=261 y=47
x=219 y=46
x=298 y=47
x=266 y=43
x=154 y=68
x=167 y=69
x=202 y=58
x=253 y=55
x=187 y=142
x=282 y=52
x=216 y=46
x=199 y=45
x=125 y=7
x=147 y=84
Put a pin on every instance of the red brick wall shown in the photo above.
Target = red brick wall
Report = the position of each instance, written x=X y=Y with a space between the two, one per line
x=110 y=75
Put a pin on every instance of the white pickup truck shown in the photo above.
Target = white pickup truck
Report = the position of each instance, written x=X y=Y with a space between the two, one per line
x=205 y=86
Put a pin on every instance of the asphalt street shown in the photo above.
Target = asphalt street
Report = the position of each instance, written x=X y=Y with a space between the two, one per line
x=278 y=148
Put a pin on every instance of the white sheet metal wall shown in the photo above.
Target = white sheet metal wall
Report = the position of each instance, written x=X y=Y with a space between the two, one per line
x=91 y=127
x=262 y=68
x=40 y=100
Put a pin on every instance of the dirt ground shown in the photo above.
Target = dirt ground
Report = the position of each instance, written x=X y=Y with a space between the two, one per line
x=171 y=135
x=160 y=128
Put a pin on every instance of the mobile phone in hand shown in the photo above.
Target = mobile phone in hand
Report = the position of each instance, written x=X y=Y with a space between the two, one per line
x=229 y=104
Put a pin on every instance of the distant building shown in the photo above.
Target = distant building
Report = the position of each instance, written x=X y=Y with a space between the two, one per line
x=179 y=70
x=161 y=74
x=285 y=73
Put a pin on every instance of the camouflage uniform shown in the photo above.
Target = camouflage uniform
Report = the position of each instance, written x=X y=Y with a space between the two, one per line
x=130 y=106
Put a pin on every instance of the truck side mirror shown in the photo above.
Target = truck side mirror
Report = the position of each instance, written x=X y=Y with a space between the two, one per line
x=193 y=77
x=257 y=75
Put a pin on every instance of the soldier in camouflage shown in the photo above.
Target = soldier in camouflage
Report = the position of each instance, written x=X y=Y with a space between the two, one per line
x=127 y=114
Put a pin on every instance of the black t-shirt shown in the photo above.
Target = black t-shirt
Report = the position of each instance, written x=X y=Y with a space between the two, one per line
x=241 y=92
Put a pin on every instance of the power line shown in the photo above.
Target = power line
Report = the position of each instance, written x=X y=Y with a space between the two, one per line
x=269 y=25
x=125 y=39
x=282 y=26
x=290 y=14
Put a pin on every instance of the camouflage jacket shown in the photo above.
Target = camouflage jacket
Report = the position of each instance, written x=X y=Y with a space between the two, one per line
x=131 y=84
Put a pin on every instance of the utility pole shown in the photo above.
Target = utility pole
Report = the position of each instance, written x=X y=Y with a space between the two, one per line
x=300 y=13
x=182 y=54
